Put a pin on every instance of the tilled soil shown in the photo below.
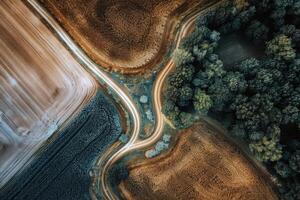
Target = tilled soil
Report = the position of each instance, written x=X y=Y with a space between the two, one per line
x=41 y=84
x=202 y=165
x=122 y=35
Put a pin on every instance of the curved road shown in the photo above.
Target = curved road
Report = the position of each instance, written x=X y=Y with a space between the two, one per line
x=93 y=68
x=158 y=85
x=134 y=142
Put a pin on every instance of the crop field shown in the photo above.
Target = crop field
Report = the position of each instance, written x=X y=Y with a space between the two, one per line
x=202 y=165
x=41 y=84
x=61 y=169
x=119 y=34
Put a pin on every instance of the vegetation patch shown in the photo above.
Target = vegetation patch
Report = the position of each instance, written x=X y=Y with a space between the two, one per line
x=257 y=97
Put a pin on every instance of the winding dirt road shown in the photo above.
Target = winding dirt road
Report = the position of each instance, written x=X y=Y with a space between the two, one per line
x=134 y=142
x=157 y=91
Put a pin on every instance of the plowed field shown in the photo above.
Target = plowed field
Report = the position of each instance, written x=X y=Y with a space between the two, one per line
x=202 y=165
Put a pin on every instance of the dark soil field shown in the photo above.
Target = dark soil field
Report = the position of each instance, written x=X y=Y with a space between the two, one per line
x=61 y=169
x=122 y=35
x=202 y=165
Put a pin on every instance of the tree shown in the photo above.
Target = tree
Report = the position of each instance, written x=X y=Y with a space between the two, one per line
x=264 y=80
x=186 y=119
x=213 y=68
x=256 y=135
x=186 y=94
x=220 y=16
x=214 y=36
x=200 y=34
x=295 y=8
x=220 y=94
x=294 y=99
x=172 y=112
x=267 y=149
x=182 y=57
x=283 y=3
x=293 y=72
x=249 y=67
x=290 y=114
x=281 y=48
x=171 y=93
x=201 y=80
x=246 y=15
x=182 y=75
x=288 y=30
x=294 y=161
x=282 y=169
x=290 y=189
x=257 y=31
x=278 y=15
x=236 y=82
x=261 y=5
x=202 y=101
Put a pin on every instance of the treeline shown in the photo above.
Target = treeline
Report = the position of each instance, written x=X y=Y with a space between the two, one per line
x=259 y=98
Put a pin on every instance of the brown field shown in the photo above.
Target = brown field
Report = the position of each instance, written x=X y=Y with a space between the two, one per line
x=41 y=85
x=122 y=35
x=202 y=165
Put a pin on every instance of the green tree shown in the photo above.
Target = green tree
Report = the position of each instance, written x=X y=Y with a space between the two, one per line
x=256 y=135
x=267 y=149
x=213 y=67
x=249 y=67
x=171 y=93
x=264 y=80
x=281 y=48
x=172 y=112
x=295 y=8
x=186 y=119
x=282 y=169
x=290 y=114
x=283 y=3
x=202 y=101
x=257 y=31
x=247 y=14
x=290 y=189
x=201 y=80
x=220 y=94
x=186 y=94
x=199 y=35
x=294 y=161
x=182 y=57
x=278 y=14
x=236 y=82
x=182 y=75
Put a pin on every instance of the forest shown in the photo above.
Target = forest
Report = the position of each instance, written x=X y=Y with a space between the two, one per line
x=257 y=98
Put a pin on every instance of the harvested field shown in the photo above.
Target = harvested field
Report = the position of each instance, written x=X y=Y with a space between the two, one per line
x=41 y=85
x=202 y=165
x=61 y=169
x=122 y=35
